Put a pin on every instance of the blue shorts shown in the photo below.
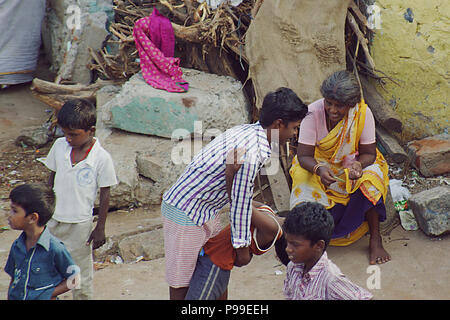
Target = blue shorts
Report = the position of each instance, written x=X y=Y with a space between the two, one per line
x=208 y=282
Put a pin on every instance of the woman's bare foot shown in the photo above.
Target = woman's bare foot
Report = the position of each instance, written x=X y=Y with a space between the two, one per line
x=377 y=254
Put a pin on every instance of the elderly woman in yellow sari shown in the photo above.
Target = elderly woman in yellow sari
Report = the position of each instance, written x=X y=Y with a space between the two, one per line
x=339 y=166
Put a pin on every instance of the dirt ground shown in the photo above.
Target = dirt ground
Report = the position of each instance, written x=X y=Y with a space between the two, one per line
x=419 y=268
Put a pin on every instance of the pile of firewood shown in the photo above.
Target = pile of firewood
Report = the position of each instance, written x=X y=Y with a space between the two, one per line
x=199 y=30
x=197 y=25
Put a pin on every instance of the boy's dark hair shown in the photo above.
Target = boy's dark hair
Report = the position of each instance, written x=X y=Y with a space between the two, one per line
x=280 y=250
x=283 y=104
x=37 y=198
x=77 y=114
x=310 y=220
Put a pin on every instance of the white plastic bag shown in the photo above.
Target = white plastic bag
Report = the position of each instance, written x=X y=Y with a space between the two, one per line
x=398 y=192
x=407 y=220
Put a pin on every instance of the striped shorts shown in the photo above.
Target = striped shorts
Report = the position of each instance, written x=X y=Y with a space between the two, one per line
x=208 y=282
x=183 y=241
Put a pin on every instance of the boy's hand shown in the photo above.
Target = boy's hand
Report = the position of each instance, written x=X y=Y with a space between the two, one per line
x=98 y=235
x=98 y=238
x=243 y=257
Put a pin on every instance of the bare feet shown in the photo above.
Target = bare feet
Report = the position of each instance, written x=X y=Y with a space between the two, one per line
x=377 y=254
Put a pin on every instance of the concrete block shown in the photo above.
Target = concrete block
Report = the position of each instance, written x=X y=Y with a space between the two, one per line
x=149 y=167
x=106 y=94
x=67 y=49
x=135 y=188
x=149 y=245
x=153 y=116
x=213 y=103
x=93 y=35
x=430 y=155
x=431 y=209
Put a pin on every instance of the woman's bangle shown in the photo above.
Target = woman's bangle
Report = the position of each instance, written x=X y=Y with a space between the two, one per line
x=317 y=166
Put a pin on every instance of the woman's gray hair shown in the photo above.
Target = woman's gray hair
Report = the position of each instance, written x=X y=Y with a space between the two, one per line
x=342 y=87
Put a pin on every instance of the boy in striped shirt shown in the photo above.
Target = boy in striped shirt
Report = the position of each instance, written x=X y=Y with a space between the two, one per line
x=190 y=207
x=310 y=274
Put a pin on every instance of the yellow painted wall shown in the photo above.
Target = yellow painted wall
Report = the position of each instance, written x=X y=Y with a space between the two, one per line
x=417 y=53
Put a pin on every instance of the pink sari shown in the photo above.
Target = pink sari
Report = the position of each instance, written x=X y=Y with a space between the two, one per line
x=155 y=42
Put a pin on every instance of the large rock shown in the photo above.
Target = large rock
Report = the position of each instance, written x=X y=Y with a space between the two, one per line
x=431 y=155
x=149 y=245
x=134 y=158
x=431 y=209
x=69 y=29
x=212 y=103
x=36 y=136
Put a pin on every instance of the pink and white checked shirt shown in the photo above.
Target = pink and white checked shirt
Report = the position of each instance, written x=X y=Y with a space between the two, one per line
x=324 y=281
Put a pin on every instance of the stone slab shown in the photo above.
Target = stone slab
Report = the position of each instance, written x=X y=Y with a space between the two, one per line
x=431 y=209
x=149 y=245
x=153 y=116
x=431 y=155
x=213 y=103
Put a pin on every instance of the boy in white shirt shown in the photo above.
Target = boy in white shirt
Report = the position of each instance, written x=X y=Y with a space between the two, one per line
x=80 y=166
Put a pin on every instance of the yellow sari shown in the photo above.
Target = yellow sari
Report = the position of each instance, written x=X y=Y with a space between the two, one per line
x=341 y=141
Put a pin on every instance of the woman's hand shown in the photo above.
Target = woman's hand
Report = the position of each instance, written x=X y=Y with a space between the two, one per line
x=355 y=170
x=326 y=175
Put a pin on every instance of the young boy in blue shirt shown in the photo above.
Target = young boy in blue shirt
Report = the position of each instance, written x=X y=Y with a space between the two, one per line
x=80 y=167
x=39 y=264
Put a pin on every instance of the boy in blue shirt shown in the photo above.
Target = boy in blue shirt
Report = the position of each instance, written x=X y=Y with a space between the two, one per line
x=39 y=264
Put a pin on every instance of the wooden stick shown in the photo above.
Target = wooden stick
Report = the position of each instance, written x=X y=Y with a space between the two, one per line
x=392 y=147
x=189 y=34
x=190 y=8
x=359 y=15
x=355 y=69
x=256 y=7
x=43 y=86
x=381 y=110
x=362 y=39
x=260 y=188
x=259 y=191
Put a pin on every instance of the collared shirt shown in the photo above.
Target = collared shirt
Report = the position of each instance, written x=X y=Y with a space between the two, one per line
x=324 y=281
x=36 y=272
x=76 y=186
x=201 y=190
